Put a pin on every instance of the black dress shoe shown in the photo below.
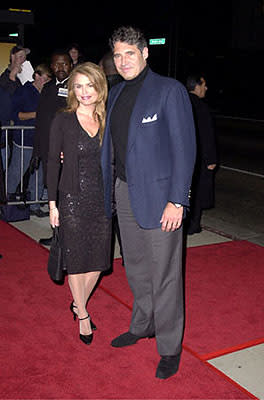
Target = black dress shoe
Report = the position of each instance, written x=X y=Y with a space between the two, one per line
x=193 y=230
x=46 y=242
x=86 y=339
x=168 y=366
x=127 y=339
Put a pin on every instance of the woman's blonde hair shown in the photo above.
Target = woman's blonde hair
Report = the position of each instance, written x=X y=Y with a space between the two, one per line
x=42 y=69
x=98 y=79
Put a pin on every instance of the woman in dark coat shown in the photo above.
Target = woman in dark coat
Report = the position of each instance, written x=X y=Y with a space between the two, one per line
x=202 y=194
x=85 y=231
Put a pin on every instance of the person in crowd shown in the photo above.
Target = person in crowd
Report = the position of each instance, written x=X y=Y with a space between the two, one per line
x=207 y=159
x=5 y=106
x=76 y=194
x=151 y=130
x=113 y=77
x=53 y=98
x=2 y=183
x=75 y=53
x=109 y=68
x=5 y=118
x=25 y=102
x=9 y=80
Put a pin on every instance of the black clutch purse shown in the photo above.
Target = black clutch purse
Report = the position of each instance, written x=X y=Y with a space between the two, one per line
x=55 y=261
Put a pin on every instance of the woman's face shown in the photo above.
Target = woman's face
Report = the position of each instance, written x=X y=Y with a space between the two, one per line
x=84 y=90
x=42 y=79
x=74 y=53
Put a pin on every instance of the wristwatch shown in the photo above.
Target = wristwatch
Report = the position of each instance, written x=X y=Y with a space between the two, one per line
x=177 y=205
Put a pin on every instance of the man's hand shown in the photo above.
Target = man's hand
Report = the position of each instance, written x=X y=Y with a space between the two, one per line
x=211 y=167
x=171 y=218
x=15 y=69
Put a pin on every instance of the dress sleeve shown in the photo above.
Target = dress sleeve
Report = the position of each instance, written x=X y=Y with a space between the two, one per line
x=54 y=161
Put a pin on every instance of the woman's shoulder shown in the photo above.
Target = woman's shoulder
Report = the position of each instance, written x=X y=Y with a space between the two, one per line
x=63 y=116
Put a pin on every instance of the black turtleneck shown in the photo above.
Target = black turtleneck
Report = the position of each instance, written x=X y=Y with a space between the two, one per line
x=120 y=118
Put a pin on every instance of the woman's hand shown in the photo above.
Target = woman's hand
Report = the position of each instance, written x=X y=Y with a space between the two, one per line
x=54 y=217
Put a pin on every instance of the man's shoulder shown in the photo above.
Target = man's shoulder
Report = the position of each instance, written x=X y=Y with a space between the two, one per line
x=4 y=72
x=48 y=87
x=164 y=81
x=115 y=88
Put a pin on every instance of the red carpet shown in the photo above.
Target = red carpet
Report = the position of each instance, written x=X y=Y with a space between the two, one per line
x=224 y=290
x=42 y=357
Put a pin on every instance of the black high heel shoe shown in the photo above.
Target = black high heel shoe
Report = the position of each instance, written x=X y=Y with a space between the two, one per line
x=86 y=339
x=75 y=315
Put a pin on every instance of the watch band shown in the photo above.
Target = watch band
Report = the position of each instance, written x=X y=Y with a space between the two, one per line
x=177 y=205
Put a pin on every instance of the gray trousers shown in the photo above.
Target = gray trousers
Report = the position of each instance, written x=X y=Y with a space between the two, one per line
x=153 y=262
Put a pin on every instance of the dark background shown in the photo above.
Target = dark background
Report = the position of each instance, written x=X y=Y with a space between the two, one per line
x=223 y=40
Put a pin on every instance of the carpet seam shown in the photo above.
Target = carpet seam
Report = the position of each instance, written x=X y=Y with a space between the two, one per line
x=233 y=349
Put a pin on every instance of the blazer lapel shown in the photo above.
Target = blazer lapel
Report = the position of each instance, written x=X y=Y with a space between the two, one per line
x=113 y=101
x=138 y=111
x=106 y=148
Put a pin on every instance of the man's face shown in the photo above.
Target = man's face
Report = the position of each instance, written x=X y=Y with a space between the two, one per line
x=200 y=90
x=19 y=57
x=129 y=60
x=61 y=67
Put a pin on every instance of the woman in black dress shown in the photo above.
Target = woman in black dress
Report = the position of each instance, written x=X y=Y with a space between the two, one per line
x=75 y=190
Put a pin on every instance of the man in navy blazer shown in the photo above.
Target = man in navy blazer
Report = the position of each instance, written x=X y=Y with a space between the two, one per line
x=150 y=136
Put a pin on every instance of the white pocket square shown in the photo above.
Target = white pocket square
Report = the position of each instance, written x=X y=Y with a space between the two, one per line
x=150 y=119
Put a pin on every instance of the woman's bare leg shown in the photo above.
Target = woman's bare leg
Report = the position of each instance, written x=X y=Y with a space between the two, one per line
x=81 y=286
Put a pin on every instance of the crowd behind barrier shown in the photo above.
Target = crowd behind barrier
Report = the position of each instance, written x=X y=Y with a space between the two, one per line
x=6 y=150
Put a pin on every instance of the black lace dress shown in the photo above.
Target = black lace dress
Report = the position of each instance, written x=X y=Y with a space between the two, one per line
x=85 y=230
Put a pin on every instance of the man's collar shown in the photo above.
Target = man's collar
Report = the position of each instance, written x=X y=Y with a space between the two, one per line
x=62 y=82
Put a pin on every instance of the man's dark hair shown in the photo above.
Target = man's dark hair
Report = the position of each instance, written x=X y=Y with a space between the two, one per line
x=130 y=35
x=192 y=81
x=108 y=64
x=60 y=52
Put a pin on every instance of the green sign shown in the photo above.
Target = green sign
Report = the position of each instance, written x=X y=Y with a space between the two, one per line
x=157 y=41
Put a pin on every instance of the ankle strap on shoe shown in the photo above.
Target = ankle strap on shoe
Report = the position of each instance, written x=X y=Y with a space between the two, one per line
x=81 y=319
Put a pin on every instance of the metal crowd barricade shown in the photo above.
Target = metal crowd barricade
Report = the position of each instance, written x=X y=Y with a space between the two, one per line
x=5 y=130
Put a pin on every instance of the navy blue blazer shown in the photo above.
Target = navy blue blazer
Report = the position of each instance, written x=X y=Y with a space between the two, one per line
x=161 y=149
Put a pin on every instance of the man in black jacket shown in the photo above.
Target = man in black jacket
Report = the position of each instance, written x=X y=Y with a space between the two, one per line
x=52 y=98
x=203 y=178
